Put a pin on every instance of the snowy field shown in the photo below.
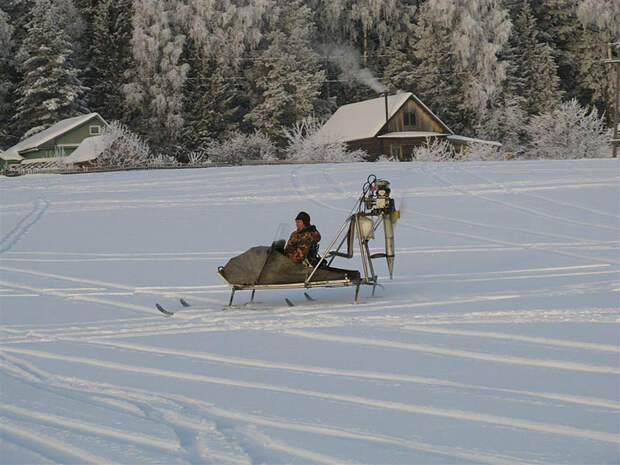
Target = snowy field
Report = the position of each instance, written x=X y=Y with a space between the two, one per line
x=496 y=342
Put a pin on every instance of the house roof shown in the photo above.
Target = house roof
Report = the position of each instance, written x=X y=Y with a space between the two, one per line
x=46 y=135
x=88 y=150
x=471 y=140
x=363 y=120
x=411 y=134
x=6 y=155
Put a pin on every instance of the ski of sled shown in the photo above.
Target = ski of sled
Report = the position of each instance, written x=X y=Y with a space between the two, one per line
x=163 y=310
x=166 y=312
x=185 y=304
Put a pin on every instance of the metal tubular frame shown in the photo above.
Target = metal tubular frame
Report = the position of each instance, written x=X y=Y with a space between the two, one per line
x=364 y=254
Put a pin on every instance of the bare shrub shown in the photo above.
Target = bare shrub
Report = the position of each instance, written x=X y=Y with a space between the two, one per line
x=304 y=144
x=434 y=150
x=241 y=147
x=123 y=148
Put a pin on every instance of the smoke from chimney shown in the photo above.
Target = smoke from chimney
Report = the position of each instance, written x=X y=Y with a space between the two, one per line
x=347 y=59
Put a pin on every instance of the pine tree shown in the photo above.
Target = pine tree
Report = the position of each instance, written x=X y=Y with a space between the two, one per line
x=559 y=28
x=154 y=93
x=214 y=97
x=435 y=78
x=460 y=42
x=7 y=47
x=110 y=56
x=600 y=22
x=532 y=75
x=287 y=72
x=49 y=89
x=359 y=36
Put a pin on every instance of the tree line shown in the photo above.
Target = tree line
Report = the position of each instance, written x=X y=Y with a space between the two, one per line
x=188 y=74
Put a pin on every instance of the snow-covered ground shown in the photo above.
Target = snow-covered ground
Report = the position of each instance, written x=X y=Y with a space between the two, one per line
x=496 y=342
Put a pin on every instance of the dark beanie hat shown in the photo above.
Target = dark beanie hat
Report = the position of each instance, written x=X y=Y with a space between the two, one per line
x=303 y=216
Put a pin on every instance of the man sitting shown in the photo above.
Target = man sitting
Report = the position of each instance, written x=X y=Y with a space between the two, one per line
x=303 y=241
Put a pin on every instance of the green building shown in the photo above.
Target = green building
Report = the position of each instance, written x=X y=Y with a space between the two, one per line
x=57 y=141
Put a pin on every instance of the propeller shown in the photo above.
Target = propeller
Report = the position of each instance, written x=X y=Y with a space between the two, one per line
x=400 y=209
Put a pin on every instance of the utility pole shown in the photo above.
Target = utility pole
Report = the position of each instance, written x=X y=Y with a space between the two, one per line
x=616 y=60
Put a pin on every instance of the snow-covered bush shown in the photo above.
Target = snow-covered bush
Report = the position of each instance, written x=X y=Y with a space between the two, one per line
x=241 y=147
x=505 y=124
x=482 y=152
x=124 y=148
x=304 y=144
x=434 y=150
x=568 y=131
x=198 y=157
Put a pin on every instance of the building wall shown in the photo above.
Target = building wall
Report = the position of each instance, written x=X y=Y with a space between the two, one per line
x=401 y=147
x=423 y=119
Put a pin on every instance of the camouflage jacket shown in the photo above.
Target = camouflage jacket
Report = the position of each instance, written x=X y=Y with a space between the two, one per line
x=299 y=243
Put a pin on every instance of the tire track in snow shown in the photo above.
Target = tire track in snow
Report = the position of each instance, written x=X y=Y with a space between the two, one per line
x=325 y=371
x=39 y=208
x=516 y=337
x=283 y=318
x=197 y=441
x=490 y=240
x=254 y=436
x=302 y=192
x=469 y=222
x=96 y=430
x=51 y=448
x=538 y=197
x=106 y=394
x=97 y=283
x=510 y=360
x=453 y=414
x=514 y=206
x=484 y=239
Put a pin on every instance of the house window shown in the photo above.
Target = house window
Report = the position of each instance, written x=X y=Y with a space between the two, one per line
x=409 y=118
x=94 y=130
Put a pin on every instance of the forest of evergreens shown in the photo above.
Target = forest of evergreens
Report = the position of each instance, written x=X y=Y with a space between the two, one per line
x=187 y=73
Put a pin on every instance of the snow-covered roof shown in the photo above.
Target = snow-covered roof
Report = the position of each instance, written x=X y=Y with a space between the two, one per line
x=471 y=140
x=363 y=120
x=10 y=156
x=88 y=150
x=47 y=134
x=411 y=134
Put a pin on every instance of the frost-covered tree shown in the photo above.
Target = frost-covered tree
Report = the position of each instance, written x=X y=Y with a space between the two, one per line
x=49 y=89
x=600 y=21
x=357 y=36
x=110 y=56
x=286 y=75
x=303 y=144
x=74 y=26
x=506 y=124
x=154 y=92
x=214 y=97
x=482 y=152
x=568 y=131
x=435 y=78
x=241 y=147
x=7 y=48
x=122 y=148
x=466 y=37
x=559 y=28
x=532 y=74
